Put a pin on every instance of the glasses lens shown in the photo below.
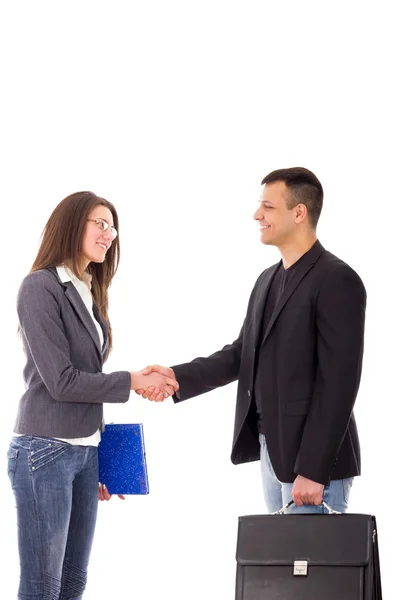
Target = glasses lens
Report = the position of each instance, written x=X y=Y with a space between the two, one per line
x=102 y=224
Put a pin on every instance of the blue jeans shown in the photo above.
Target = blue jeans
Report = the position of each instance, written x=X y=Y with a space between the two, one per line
x=56 y=491
x=277 y=494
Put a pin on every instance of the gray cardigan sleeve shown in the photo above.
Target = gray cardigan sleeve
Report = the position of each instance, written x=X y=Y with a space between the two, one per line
x=44 y=335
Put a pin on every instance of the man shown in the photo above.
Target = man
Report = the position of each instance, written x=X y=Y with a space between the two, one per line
x=297 y=359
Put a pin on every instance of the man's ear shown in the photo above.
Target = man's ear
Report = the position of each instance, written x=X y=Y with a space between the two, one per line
x=300 y=213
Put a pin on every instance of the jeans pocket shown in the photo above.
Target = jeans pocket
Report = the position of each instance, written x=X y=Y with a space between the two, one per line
x=12 y=457
x=347 y=483
x=44 y=451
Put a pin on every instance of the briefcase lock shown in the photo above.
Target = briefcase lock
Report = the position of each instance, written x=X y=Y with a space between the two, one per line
x=300 y=567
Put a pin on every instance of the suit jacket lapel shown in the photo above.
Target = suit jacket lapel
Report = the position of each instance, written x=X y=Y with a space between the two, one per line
x=301 y=272
x=78 y=304
x=73 y=296
x=261 y=299
x=104 y=327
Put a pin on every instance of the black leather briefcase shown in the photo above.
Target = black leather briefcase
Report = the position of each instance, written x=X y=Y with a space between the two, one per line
x=307 y=557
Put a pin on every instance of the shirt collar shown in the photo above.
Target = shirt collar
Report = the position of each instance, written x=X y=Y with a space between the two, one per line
x=66 y=275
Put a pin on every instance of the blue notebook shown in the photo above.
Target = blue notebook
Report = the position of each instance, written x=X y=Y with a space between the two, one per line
x=122 y=459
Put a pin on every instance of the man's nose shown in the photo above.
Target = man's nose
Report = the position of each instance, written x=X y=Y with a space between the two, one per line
x=257 y=215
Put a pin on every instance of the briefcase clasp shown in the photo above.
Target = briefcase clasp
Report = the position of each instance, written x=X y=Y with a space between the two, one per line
x=300 y=567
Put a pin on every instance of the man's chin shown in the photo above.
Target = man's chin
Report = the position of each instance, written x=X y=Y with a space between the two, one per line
x=266 y=241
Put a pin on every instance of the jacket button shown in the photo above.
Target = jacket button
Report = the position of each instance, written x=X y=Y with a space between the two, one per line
x=248 y=392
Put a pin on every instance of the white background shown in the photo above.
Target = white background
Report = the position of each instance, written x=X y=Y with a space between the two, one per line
x=175 y=111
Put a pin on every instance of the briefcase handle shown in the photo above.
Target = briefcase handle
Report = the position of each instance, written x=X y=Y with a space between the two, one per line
x=324 y=504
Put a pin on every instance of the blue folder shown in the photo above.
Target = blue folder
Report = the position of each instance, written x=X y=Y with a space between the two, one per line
x=122 y=459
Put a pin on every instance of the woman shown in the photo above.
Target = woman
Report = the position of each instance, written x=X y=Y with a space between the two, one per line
x=52 y=459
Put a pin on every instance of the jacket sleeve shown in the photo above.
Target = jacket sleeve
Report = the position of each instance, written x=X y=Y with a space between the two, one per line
x=202 y=375
x=340 y=317
x=44 y=336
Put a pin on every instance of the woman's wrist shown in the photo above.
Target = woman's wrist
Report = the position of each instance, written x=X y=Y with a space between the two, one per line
x=136 y=377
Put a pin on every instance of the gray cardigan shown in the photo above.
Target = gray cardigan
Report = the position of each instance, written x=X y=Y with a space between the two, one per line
x=65 y=388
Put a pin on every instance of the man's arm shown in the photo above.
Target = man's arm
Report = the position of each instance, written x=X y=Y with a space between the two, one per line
x=340 y=329
x=202 y=374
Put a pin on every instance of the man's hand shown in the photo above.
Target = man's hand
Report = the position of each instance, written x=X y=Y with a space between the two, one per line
x=155 y=383
x=150 y=392
x=306 y=491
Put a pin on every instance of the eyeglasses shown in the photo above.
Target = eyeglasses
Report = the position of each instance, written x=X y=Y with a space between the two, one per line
x=103 y=225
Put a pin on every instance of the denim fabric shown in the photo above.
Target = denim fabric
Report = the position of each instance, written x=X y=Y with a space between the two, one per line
x=278 y=494
x=56 y=491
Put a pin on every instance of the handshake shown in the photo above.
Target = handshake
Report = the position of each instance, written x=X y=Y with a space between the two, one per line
x=154 y=382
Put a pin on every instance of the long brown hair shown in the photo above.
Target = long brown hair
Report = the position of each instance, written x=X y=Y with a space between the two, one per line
x=62 y=244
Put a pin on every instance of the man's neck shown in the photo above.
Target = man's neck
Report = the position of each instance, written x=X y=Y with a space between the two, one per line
x=293 y=250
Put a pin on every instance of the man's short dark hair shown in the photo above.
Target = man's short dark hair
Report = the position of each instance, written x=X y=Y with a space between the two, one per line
x=304 y=188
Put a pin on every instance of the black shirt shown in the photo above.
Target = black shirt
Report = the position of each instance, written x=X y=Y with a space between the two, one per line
x=279 y=281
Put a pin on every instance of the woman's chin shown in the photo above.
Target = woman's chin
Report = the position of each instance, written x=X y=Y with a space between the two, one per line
x=98 y=259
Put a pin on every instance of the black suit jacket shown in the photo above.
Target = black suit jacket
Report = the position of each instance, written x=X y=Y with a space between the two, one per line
x=310 y=358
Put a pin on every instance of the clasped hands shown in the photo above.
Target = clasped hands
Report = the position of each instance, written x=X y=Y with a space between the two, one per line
x=155 y=383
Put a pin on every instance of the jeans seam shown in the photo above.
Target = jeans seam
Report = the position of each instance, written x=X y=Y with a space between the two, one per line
x=42 y=461
x=39 y=528
x=12 y=471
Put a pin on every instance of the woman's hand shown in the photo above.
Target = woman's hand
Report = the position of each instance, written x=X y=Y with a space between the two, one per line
x=158 y=386
x=105 y=495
